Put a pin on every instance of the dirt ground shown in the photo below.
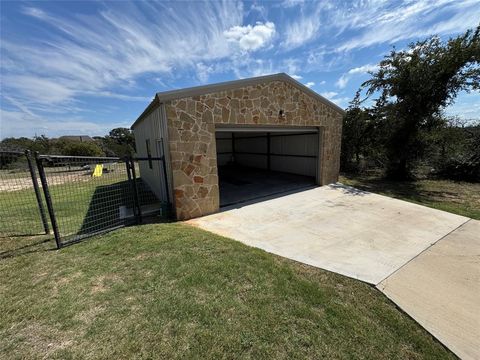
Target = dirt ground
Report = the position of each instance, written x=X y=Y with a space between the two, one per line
x=24 y=181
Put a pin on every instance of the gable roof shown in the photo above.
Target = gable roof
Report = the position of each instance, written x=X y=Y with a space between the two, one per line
x=164 y=96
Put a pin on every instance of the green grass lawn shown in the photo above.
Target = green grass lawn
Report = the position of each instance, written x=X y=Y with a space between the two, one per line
x=460 y=198
x=82 y=204
x=173 y=291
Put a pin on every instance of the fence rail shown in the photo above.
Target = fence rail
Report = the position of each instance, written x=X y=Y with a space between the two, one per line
x=73 y=197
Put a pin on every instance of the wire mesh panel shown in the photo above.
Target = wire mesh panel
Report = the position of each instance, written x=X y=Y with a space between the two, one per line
x=22 y=210
x=149 y=190
x=76 y=197
x=88 y=195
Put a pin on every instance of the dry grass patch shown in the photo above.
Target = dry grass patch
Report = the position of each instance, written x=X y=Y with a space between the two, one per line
x=460 y=198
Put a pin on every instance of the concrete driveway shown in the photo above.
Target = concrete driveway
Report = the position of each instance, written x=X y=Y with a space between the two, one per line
x=379 y=240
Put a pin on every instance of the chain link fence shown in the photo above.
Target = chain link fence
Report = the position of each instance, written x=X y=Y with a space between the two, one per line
x=73 y=197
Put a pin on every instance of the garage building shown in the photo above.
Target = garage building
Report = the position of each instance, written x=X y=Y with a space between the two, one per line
x=229 y=143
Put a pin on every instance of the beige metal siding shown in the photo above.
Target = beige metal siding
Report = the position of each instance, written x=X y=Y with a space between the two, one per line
x=152 y=127
x=300 y=145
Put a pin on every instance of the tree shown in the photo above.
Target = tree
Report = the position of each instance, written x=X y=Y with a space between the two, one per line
x=76 y=148
x=14 y=144
x=458 y=150
x=358 y=135
x=122 y=136
x=415 y=85
x=119 y=142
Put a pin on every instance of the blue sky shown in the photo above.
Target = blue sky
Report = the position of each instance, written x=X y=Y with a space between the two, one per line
x=87 y=67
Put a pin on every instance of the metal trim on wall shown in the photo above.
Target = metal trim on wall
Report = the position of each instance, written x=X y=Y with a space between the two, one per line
x=256 y=128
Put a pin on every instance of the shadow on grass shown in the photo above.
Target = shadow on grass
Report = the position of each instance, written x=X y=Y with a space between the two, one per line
x=349 y=190
x=103 y=210
x=110 y=207
x=34 y=245
x=397 y=189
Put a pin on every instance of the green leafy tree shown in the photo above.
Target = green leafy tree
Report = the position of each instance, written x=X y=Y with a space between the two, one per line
x=122 y=136
x=358 y=135
x=457 y=154
x=77 y=148
x=415 y=85
x=14 y=144
x=119 y=142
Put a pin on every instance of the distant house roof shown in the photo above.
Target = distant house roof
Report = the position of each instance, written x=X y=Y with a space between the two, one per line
x=161 y=97
x=81 y=138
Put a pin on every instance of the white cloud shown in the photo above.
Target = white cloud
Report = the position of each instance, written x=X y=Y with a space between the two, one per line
x=250 y=38
x=105 y=53
x=32 y=11
x=360 y=24
x=18 y=123
x=113 y=52
x=203 y=71
x=40 y=89
x=20 y=106
x=301 y=31
x=467 y=106
x=292 y=3
x=410 y=19
x=329 y=94
x=333 y=97
x=305 y=27
x=296 y=77
x=345 y=78
x=259 y=9
x=363 y=69
x=342 y=81
x=309 y=84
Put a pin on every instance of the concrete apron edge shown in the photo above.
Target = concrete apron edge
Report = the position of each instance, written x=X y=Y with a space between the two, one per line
x=405 y=312
x=298 y=259
x=377 y=285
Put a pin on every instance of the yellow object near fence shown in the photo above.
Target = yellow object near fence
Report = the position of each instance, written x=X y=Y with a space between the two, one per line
x=98 y=170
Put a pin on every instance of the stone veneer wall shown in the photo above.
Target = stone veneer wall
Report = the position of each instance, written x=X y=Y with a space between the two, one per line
x=191 y=130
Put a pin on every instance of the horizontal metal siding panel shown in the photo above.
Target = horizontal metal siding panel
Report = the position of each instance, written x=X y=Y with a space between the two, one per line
x=295 y=145
x=252 y=145
x=300 y=166
x=256 y=161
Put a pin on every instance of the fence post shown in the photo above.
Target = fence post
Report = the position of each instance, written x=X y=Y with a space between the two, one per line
x=33 y=175
x=165 y=176
x=133 y=177
x=48 y=200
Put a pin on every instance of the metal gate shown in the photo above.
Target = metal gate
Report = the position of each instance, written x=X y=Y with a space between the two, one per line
x=75 y=197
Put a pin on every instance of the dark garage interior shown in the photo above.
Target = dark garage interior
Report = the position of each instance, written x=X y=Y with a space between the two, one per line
x=255 y=163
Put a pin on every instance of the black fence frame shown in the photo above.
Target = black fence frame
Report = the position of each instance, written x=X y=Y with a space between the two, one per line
x=48 y=216
x=27 y=154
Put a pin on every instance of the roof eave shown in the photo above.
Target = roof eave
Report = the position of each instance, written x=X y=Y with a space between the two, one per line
x=162 y=97
x=152 y=106
x=211 y=88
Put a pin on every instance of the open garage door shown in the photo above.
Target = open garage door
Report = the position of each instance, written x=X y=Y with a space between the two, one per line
x=260 y=162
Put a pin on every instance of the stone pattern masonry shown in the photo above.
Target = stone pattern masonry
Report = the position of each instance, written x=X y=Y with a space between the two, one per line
x=191 y=130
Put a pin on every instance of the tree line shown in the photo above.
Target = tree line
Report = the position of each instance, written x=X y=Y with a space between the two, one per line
x=404 y=131
x=120 y=142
